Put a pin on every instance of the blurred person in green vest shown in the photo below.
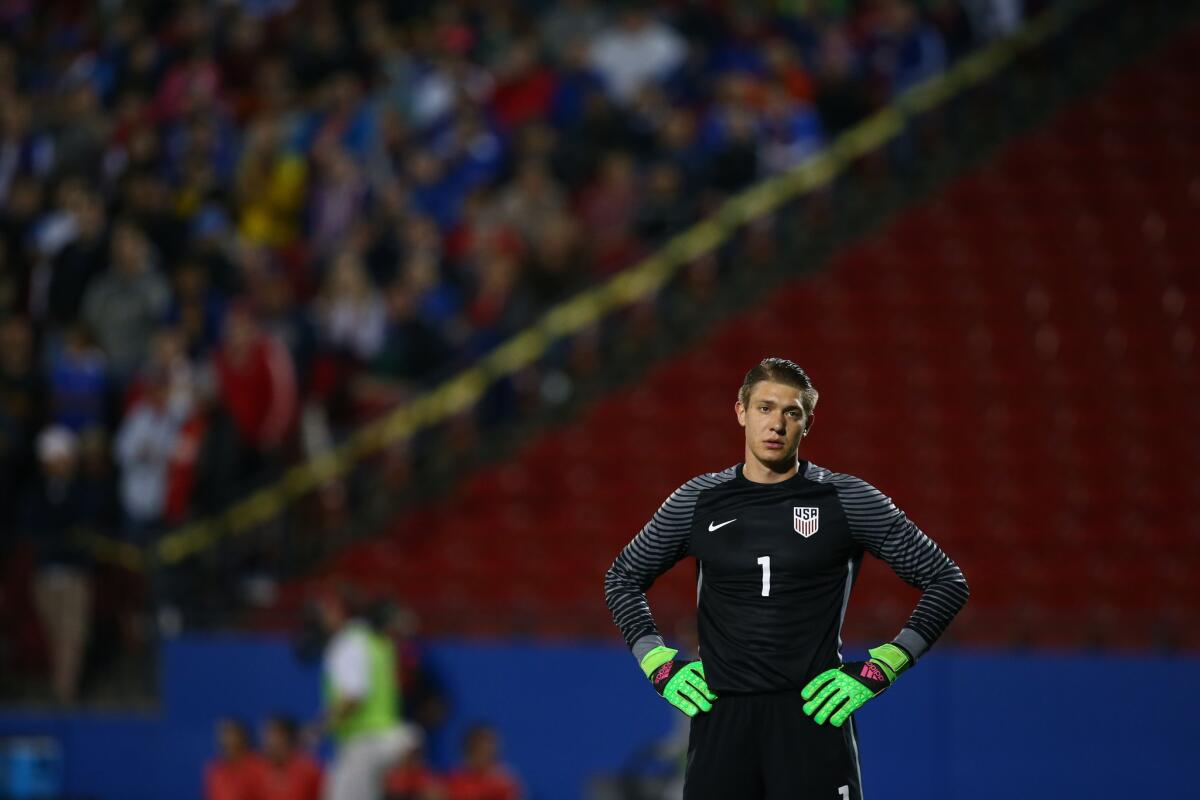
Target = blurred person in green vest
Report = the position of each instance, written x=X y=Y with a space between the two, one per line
x=360 y=700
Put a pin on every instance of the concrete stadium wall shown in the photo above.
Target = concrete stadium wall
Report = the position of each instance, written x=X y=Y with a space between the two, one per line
x=962 y=725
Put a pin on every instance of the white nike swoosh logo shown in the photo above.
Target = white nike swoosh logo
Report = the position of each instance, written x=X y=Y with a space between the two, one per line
x=713 y=527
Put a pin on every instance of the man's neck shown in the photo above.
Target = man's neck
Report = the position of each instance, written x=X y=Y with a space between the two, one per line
x=756 y=471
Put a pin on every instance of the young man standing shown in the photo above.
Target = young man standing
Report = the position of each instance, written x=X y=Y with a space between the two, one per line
x=778 y=542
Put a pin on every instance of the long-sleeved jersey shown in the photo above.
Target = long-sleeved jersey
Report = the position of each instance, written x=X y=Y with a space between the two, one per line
x=776 y=563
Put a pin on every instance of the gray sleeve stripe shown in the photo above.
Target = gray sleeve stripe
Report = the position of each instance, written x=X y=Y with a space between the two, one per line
x=887 y=533
x=658 y=547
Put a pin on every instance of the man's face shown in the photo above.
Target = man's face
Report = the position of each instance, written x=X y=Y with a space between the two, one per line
x=331 y=614
x=482 y=750
x=60 y=465
x=774 y=422
x=239 y=331
x=16 y=347
x=230 y=739
x=128 y=251
x=276 y=744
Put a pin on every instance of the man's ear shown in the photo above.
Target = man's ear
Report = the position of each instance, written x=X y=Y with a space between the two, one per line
x=740 y=411
x=808 y=424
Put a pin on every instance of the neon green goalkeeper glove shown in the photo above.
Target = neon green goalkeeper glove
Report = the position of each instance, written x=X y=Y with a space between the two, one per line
x=835 y=694
x=680 y=682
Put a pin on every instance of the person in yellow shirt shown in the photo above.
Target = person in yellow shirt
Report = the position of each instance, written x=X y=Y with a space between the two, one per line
x=271 y=186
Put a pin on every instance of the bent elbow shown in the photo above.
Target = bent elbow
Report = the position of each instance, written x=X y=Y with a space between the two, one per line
x=964 y=589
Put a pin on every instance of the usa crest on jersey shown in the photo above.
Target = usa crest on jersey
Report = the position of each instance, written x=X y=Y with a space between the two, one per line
x=806 y=520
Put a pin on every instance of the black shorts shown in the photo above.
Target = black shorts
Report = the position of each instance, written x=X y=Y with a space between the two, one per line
x=763 y=747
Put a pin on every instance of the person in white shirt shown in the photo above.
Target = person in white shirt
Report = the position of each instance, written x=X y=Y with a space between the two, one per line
x=634 y=52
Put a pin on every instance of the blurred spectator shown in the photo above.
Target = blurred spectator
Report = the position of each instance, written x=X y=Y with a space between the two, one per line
x=22 y=150
x=192 y=83
x=360 y=701
x=78 y=126
x=842 y=99
x=20 y=216
x=270 y=185
x=98 y=486
x=735 y=150
x=21 y=410
x=338 y=198
x=905 y=49
x=571 y=21
x=11 y=284
x=635 y=50
x=791 y=131
x=288 y=772
x=126 y=303
x=500 y=305
x=55 y=514
x=167 y=363
x=482 y=776
x=351 y=311
x=145 y=446
x=449 y=80
x=237 y=772
x=954 y=26
x=785 y=65
x=995 y=18
x=256 y=384
x=525 y=85
x=606 y=209
x=666 y=208
x=286 y=321
x=414 y=779
x=482 y=229
x=79 y=261
x=532 y=198
x=579 y=84
x=146 y=200
x=216 y=248
x=197 y=308
x=51 y=234
x=78 y=382
x=412 y=348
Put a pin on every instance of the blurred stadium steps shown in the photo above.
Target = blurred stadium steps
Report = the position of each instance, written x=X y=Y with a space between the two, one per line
x=1014 y=360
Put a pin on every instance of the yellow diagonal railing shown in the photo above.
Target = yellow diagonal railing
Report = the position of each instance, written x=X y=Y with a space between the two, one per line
x=636 y=284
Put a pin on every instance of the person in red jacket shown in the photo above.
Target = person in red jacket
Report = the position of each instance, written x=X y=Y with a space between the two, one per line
x=482 y=776
x=237 y=772
x=413 y=779
x=256 y=383
x=289 y=773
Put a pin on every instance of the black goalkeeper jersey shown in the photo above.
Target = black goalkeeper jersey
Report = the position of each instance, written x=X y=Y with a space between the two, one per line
x=776 y=563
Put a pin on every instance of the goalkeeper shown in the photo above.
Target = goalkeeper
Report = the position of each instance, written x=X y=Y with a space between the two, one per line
x=778 y=543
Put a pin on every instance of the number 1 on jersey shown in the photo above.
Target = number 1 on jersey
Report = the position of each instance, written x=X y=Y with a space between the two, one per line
x=765 y=563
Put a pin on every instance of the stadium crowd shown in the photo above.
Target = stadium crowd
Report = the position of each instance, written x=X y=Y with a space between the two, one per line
x=230 y=231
